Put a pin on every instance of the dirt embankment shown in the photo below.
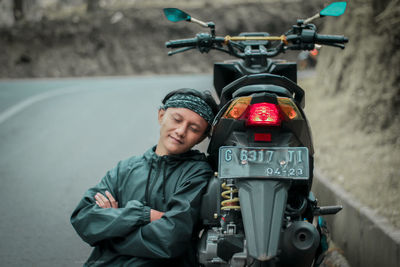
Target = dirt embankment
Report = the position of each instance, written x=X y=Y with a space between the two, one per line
x=131 y=41
x=355 y=105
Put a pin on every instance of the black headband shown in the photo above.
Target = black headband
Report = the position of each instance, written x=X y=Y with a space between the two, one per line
x=192 y=102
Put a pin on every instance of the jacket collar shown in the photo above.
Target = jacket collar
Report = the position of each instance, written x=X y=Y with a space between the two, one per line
x=189 y=155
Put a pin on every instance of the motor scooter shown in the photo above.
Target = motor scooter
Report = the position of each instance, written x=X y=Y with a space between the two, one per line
x=259 y=210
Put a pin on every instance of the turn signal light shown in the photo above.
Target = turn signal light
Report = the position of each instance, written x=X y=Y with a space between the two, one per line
x=237 y=108
x=264 y=114
x=289 y=108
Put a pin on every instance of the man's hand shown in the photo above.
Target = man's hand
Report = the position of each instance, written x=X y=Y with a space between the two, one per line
x=106 y=202
x=155 y=215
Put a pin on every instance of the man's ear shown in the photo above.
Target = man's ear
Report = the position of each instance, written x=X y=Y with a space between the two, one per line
x=161 y=113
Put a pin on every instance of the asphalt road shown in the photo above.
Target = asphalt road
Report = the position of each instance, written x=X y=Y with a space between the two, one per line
x=58 y=138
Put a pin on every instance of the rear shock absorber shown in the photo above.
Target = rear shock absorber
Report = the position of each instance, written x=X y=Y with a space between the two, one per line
x=230 y=194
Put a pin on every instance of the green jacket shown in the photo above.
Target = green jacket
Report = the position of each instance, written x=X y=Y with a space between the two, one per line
x=125 y=236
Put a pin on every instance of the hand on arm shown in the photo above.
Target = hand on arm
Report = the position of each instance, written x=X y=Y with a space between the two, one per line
x=108 y=201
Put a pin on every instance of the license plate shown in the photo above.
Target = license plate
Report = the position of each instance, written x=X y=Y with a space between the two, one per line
x=263 y=162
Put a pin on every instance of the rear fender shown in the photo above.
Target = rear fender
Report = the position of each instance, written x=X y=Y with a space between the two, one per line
x=262 y=204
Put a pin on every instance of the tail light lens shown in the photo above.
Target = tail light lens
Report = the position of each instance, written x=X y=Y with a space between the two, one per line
x=266 y=114
x=237 y=108
x=263 y=114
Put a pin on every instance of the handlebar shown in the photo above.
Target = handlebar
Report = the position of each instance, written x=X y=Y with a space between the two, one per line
x=181 y=43
x=304 y=40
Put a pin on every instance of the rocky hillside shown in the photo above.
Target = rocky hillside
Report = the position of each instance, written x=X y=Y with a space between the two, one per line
x=357 y=125
x=130 y=40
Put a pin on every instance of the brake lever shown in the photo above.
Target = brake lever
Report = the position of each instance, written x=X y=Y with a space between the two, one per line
x=338 y=45
x=333 y=44
x=171 y=53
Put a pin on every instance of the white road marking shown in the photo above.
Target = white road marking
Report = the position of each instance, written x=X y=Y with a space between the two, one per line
x=19 y=107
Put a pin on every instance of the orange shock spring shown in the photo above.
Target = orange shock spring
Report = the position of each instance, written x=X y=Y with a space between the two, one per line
x=231 y=201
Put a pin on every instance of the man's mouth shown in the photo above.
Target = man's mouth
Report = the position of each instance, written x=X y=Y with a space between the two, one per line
x=177 y=140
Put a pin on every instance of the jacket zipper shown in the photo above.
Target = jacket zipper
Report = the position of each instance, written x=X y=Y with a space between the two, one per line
x=153 y=183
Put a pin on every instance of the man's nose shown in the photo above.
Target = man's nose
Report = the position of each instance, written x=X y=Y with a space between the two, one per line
x=181 y=130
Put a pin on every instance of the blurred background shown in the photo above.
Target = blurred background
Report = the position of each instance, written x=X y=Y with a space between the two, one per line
x=352 y=95
x=49 y=38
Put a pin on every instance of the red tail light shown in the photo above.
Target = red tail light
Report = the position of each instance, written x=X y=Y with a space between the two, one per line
x=264 y=114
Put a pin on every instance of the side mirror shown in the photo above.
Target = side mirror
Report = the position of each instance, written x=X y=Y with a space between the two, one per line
x=335 y=9
x=175 y=15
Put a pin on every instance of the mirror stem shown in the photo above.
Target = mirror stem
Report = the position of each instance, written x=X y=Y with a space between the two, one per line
x=199 y=22
x=312 y=18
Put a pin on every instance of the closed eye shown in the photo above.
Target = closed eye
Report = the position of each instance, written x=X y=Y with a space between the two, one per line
x=176 y=119
x=194 y=129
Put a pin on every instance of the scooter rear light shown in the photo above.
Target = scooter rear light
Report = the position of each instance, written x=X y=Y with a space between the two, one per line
x=263 y=114
x=237 y=108
x=266 y=114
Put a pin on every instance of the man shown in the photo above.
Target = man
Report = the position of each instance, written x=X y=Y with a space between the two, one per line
x=145 y=210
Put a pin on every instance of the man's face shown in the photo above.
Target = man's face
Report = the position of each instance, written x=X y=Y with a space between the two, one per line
x=181 y=129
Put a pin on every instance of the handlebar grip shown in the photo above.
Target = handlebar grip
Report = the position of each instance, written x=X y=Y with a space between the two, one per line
x=181 y=43
x=328 y=210
x=330 y=39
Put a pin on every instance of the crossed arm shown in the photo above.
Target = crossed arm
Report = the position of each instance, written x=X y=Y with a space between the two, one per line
x=135 y=229
x=168 y=234
x=108 y=201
